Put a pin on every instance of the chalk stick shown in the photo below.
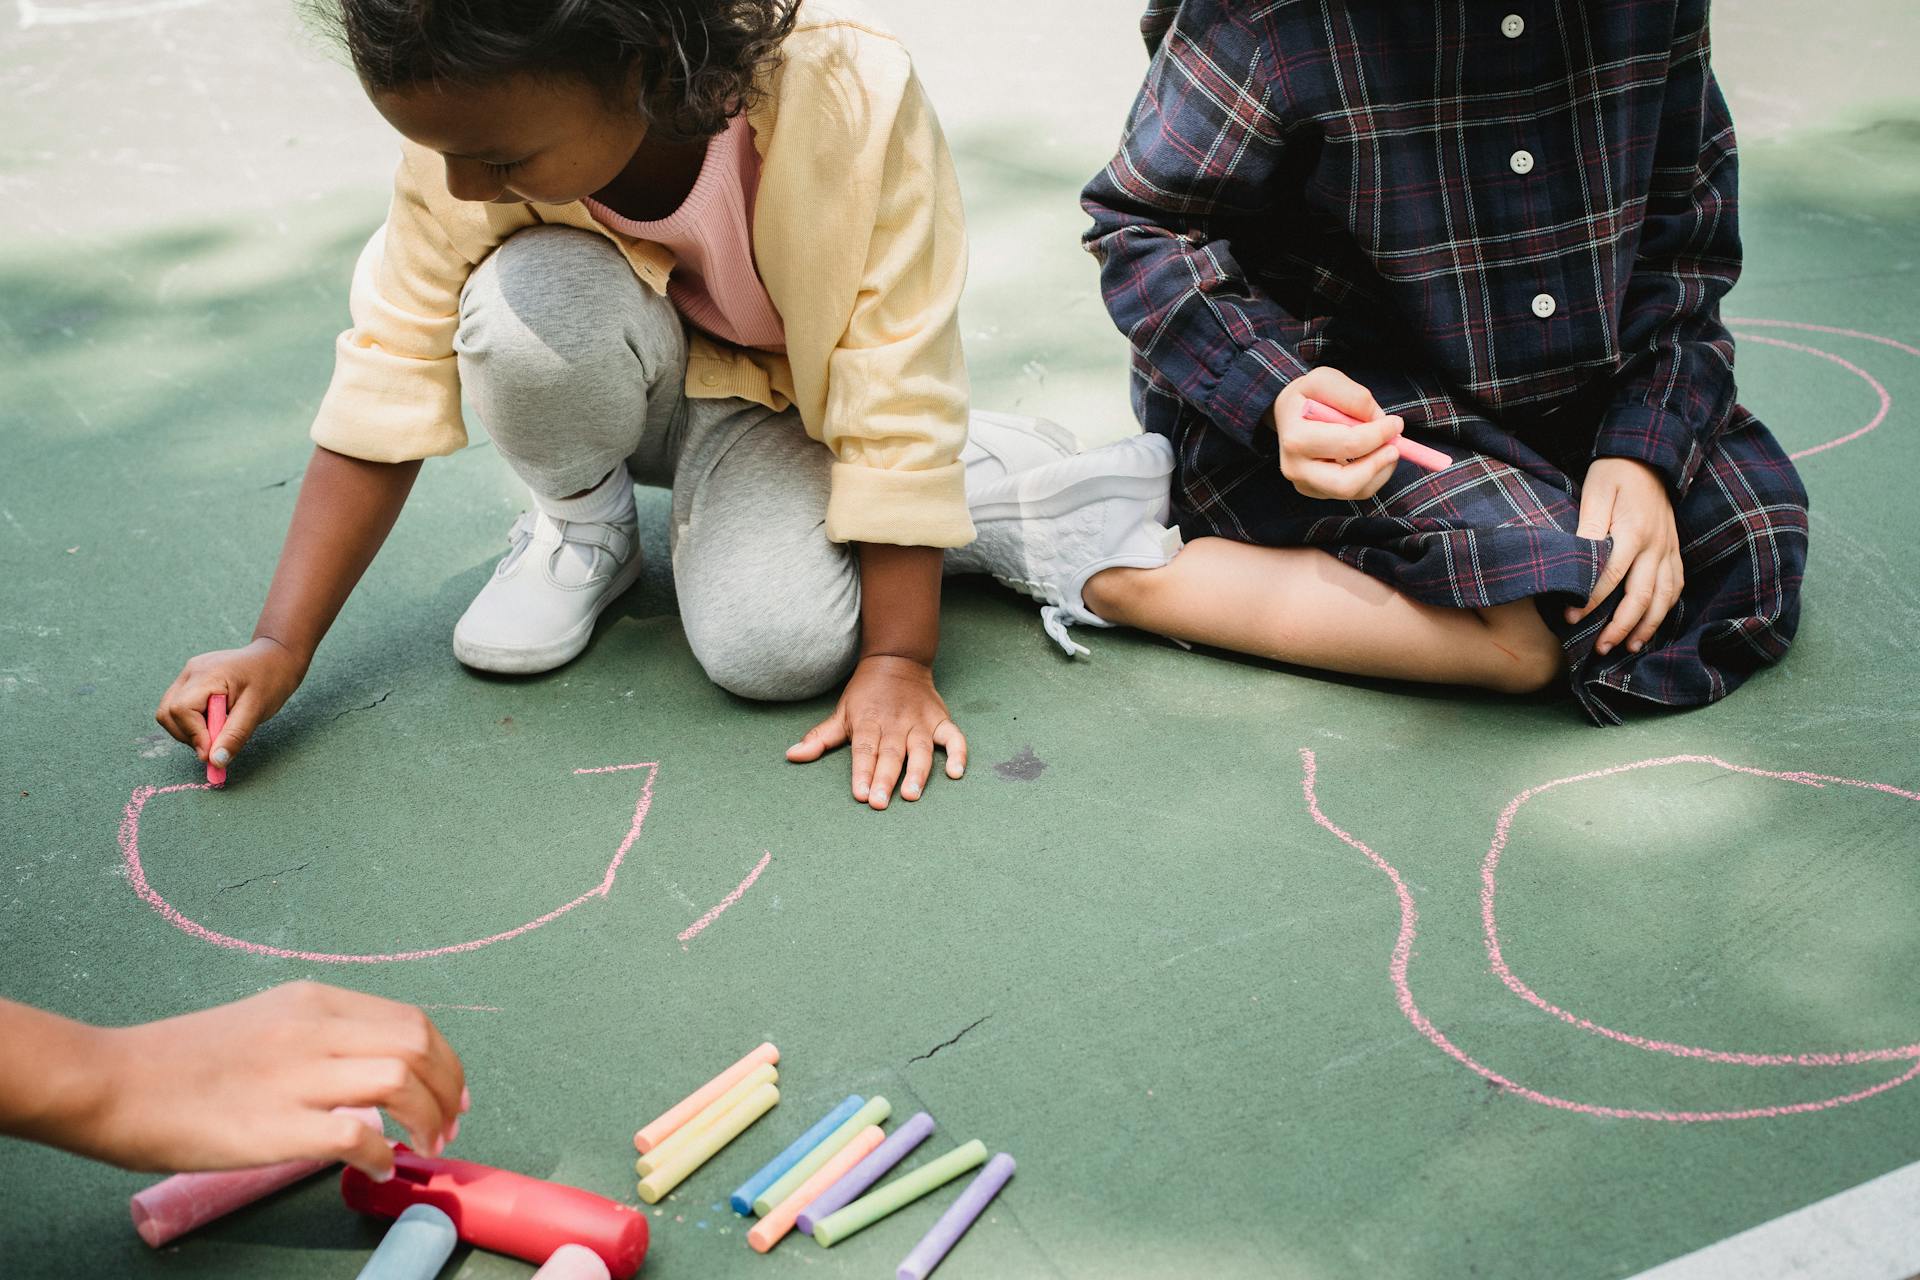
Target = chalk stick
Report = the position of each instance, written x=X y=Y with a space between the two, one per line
x=573 y=1262
x=868 y=1171
x=875 y=1111
x=765 y=1073
x=953 y=1224
x=902 y=1191
x=169 y=1209
x=705 y=1145
x=770 y=1230
x=216 y=721
x=416 y=1246
x=769 y=1173
x=690 y=1106
x=1420 y=455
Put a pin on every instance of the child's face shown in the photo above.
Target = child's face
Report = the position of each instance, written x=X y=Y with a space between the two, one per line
x=525 y=138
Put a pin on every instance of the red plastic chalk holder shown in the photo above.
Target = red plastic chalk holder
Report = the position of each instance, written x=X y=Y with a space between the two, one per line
x=505 y=1212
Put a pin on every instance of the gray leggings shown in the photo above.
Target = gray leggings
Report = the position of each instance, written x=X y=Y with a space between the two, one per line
x=574 y=365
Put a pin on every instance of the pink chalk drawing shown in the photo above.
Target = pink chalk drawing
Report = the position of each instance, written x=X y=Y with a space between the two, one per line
x=137 y=877
x=1886 y=399
x=1410 y=1008
x=693 y=930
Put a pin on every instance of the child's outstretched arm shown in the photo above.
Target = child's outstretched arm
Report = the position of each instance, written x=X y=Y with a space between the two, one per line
x=249 y=1083
x=345 y=511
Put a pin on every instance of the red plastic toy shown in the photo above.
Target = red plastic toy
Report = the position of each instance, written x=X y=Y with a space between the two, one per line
x=505 y=1212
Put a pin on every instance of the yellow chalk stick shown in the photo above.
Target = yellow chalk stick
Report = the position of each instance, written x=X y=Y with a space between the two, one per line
x=709 y=1116
x=769 y=1230
x=706 y=1144
x=688 y=1107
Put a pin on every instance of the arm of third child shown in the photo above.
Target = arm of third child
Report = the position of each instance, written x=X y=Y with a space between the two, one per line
x=1332 y=459
x=345 y=511
x=890 y=710
x=250 y=1083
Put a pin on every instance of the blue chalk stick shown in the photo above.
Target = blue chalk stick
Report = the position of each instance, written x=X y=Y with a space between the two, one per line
x=774 y=1169
x=418 y=1244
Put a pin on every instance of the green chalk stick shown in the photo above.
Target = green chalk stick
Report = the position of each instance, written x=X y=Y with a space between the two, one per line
x=875 y=1112
x=899 y=1193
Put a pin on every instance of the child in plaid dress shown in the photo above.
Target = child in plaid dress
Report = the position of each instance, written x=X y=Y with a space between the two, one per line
x=1504 y=232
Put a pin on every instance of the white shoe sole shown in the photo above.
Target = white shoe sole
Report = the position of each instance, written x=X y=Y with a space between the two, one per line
x=504 y=660
x=1139 y=472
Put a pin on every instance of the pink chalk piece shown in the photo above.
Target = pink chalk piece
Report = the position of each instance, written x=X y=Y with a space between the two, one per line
x=169 y=1209
x=668 y=1122
x=1420 y=455
x=773 y=1228
x=573 y=1262
x=693 y=930
x=1410 y=1009
x=216 y=721
x=137 y=877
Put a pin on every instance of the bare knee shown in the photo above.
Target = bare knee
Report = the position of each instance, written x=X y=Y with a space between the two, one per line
x=1523 y=655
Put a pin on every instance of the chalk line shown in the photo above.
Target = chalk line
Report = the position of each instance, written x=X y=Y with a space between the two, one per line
x=137 y=877
x=1410 y=917
x=1864 y=1233
x=1886 y=399
x=692 y=931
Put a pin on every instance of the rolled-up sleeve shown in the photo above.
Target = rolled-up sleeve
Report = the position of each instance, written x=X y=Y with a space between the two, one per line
x=395 y=394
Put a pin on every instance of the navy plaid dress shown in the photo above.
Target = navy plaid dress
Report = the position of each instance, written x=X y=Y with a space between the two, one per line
x=1513 y=223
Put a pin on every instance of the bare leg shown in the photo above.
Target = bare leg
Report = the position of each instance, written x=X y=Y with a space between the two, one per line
x=1300 y=605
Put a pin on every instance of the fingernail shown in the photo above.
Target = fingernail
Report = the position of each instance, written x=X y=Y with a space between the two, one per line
x=439 y=1145
x=1601 y=649
x=910 y=791
x=880 y=801
x=453 y=1131
x=1634 y=647
x=793 y=748
x=221 y=756
x=382 y=1177
x=466 y=1099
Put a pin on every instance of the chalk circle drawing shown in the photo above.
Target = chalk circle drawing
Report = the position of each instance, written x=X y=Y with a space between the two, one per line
x=34 y=14
x=1886 y=398
x=137 y=877
x=1410 y=1008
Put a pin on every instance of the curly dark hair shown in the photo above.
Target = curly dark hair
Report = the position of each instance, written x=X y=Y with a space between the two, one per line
x=697 y=60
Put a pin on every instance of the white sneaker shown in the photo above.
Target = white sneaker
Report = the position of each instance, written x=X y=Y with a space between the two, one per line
x=1045 y=531
x=1004 y=444
x=537 y=611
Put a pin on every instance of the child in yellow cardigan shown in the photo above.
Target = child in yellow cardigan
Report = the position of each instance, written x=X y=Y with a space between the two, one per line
x=689 y=243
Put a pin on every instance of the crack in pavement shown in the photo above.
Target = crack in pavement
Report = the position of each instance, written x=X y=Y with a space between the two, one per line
x=284 y=871
x=956 y=1039
x=370 y=706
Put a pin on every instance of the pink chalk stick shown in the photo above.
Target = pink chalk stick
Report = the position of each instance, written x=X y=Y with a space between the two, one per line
x=169 y=1209
x=573 y=1262
x=1418 y=454
x=216 y=721
x=770 y=1230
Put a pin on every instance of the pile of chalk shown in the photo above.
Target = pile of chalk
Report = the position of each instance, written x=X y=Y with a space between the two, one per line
x=823 y=1182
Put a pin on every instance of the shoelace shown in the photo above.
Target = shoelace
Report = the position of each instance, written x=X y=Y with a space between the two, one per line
x=1056 y=621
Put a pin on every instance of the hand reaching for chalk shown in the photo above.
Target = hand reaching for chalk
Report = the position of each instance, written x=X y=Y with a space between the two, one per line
x=1331 y=459
x=257 y=680
x=242 y=1084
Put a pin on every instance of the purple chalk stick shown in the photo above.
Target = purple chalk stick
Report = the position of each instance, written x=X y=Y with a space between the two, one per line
x=953 y=1224
x=867 y=1172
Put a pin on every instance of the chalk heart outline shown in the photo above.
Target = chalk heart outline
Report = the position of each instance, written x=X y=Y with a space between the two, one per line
x=1398 y=968
x=137 y=877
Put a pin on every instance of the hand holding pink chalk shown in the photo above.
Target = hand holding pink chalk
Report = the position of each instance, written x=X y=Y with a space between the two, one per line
x=1412 y=451
x=216 y=721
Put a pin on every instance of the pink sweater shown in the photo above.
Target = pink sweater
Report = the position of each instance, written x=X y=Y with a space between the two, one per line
x=714 y=284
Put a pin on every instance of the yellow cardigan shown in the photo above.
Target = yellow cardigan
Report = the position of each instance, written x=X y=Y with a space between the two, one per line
x=858 y=236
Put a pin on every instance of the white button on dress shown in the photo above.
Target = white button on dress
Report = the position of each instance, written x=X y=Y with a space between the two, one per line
x=1512 y=25
x=1544 y=305
x=1522 y=161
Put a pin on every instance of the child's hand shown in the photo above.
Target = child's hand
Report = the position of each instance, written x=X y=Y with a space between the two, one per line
x=257 y=680
x=1330 y=459
x=894 y=716
x=1627 y=501
x=256 y=1083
